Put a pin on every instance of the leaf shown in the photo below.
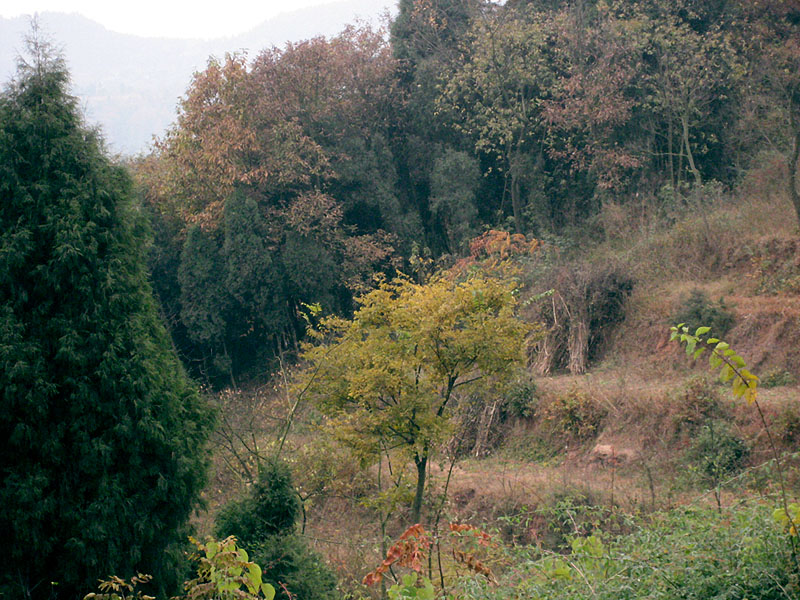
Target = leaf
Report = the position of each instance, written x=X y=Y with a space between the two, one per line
x=211 y=550
x=702 y=331
x=268 y=590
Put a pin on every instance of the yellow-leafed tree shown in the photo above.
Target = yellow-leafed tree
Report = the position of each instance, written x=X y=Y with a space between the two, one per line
x=388 y=378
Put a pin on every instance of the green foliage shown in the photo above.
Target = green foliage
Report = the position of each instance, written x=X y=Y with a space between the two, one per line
x=412 y=586
x=454 y=182
x=698 y=309
x=717 y=453
x=104 y=437
x=265 y=521
x=521 y=399
x=289 y=564
x=225 y=572
x=270 y=507
x=722 y=357
x=686 y=553
x=388 y=378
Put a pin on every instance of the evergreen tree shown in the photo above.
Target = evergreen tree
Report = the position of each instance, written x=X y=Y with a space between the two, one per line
x=264 y=520
x=103 y=452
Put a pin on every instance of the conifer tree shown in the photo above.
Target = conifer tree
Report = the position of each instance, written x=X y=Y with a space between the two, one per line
x=103 y=436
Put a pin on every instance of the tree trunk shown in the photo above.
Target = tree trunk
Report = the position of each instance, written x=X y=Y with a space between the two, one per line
x=422 y=468
x=692 y=167
x=579 y=340
x=484 y=427
x=516 y=201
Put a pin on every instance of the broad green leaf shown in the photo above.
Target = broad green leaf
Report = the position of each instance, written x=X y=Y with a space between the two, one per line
x=211 y=549
x=268 y=591
x=726 y=374
x=702 y=331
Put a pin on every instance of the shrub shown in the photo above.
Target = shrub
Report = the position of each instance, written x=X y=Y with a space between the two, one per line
x=717 y=452
x=697 y=310
x=520 y=401
x=264 y=521
x=271 y=507
x=574 y=415
x=685 y=553
x=695 y=405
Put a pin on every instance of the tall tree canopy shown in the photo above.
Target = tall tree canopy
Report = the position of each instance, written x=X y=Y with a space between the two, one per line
x=277 y=187
x=103 y=435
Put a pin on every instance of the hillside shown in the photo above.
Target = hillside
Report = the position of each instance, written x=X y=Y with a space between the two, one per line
x=501 y=301
x=571 y=454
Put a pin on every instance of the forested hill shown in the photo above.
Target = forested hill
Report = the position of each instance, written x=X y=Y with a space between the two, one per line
x=291 y=176
x=130 y=85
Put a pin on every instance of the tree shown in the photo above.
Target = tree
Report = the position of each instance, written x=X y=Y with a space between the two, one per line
x=279 y=176
x=771 y=32
x=497 y=93
x=265 y=522
x=389 y=377
x=103 y=454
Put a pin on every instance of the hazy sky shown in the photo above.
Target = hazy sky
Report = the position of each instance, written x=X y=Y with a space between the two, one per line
x=166 y=18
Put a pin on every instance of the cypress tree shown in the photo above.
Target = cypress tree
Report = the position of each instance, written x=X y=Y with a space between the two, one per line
x=103 y=437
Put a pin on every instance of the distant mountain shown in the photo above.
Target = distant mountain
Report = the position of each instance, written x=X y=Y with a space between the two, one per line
x=130 y=85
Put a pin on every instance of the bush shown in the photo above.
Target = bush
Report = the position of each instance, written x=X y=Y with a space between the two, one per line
x=574 y=414
x=717 y=452
x=264 y=521
x=695 y=405
x=520 y=401
x=271 y=507
x=697 y=311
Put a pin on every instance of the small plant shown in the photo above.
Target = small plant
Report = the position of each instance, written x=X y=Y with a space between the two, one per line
x=520 y=401
x=116 y=588
x=224 y=572
x=733 y=368
x=717 y=452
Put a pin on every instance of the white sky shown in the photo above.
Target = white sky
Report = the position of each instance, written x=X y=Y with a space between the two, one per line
x=166 y=18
